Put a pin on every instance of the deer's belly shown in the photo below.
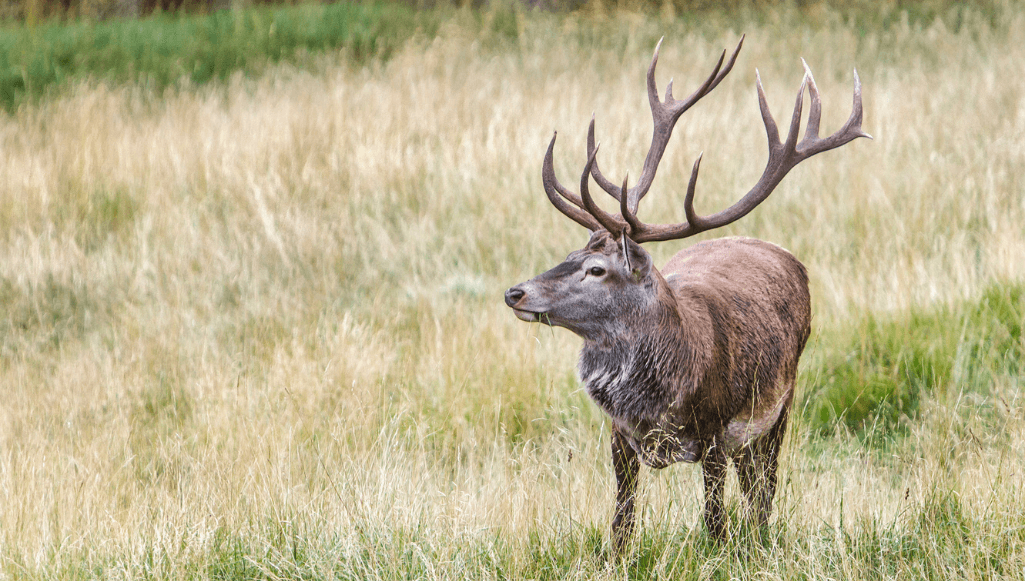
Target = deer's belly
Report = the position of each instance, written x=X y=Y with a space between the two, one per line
x=751 y=425
x=659 y=447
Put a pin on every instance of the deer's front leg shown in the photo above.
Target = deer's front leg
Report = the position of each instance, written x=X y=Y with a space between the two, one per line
x=713 y=468
x=627 y=466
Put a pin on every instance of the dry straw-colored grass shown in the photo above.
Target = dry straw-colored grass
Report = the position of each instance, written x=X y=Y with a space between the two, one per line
x=270 y=313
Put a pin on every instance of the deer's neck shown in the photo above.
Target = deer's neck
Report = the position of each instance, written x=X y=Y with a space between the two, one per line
x=636 y=371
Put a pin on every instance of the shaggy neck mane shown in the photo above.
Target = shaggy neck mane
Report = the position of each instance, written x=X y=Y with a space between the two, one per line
x=639 y=366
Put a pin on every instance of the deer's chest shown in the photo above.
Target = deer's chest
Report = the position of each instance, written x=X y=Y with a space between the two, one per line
x=640 y=407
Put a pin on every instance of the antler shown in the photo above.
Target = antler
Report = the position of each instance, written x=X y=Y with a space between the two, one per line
x=783 y=156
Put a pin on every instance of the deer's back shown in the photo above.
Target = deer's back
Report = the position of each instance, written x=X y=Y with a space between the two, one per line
x=746 y=270
x=755 y=295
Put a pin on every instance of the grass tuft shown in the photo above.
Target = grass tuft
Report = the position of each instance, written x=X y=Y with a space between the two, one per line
x=876 y=372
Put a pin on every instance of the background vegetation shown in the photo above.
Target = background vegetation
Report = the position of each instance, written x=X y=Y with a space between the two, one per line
x=169 y=50
x=251 y=321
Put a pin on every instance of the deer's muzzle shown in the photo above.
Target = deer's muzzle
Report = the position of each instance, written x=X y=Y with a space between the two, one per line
x=513 y=297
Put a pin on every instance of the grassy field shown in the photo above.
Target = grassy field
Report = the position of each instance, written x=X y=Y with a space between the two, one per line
x=254 y=329
x=171 y=50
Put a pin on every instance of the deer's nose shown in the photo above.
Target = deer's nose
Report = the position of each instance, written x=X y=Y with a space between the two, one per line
x=513 y=295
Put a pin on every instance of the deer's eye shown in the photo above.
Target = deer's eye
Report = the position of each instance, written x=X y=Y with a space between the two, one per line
x=596 y=271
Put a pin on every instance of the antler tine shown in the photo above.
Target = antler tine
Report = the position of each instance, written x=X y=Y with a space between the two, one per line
x=664 y=116
x=653 y=101
x=558 y=194
x=729 y=65
x=631 y=219
x=795 y=121
x=693 y=220
x=782 y=158
x=815 y=114
x=607 y=186
x=710 y=83
x=763 y=105
x=608 y=221
x=812 y=144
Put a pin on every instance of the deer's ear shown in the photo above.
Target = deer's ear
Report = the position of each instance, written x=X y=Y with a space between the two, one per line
x=626 y=250
x=638 y=261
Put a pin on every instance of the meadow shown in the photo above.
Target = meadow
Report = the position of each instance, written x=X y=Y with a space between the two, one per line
x=253 y=328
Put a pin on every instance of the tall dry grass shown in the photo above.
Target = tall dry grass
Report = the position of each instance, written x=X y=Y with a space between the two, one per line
x=257 y=330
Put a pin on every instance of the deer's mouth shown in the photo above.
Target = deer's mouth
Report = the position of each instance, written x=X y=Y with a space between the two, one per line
x=531 y=316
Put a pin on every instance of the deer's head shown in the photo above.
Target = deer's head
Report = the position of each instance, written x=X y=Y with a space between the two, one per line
x=591 y=289
x=611 y=279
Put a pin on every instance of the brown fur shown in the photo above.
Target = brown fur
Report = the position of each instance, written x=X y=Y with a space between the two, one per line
x=697 y=362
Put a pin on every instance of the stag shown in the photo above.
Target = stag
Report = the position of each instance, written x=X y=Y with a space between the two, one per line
x=696 y=362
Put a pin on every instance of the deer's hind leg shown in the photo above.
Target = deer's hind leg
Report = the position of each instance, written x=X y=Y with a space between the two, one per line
x=757 y=465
